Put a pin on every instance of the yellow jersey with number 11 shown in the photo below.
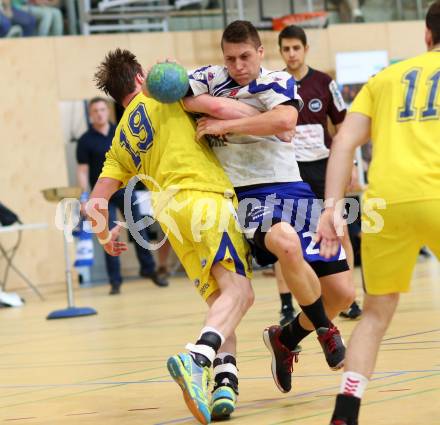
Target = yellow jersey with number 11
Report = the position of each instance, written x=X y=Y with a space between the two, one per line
x=403 y=102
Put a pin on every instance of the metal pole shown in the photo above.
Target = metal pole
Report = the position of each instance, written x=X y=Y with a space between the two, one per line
x=224 y=14
x=292 y=7
x=399 y=10
x=72 y=18
x=419 y=9
x=240 y=10
x=67 y=260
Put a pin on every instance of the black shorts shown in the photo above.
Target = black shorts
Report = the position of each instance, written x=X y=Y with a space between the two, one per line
x=313 y=173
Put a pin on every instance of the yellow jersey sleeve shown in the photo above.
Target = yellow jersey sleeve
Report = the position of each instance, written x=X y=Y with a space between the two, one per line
x=117 y=163
x=363 y=102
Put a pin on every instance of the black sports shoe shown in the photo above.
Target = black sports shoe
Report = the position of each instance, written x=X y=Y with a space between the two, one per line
x=332 y=345
x=343 y=422
x=287 y=315
x=282 y=358
x=353 y=313
x=115 y=290
x=346 y=410
x=158 y=280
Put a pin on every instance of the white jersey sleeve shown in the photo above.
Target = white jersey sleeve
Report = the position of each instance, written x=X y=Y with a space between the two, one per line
x=247 y=159
x=207 y=78
x=275 y=88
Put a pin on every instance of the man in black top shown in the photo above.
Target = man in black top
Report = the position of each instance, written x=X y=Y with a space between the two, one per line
x=322 y=101
x=90 y=154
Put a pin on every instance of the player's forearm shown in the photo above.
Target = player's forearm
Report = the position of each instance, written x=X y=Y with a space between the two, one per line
x=219 y=107
x=82 y=175
x=97 y=206
x=338 y=175
x=266 y=124
x=354 y=132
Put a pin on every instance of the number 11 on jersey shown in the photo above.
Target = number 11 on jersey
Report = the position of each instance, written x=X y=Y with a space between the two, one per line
x=431 y=110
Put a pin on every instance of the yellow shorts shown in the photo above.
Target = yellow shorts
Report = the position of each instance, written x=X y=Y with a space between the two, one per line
x=203 y=230
x=389 y=256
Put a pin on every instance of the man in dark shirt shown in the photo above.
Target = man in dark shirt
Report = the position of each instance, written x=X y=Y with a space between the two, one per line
x=322 y=101
x=90 y=154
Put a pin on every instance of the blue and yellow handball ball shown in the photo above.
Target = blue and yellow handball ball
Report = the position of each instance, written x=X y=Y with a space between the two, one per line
x=167 y=82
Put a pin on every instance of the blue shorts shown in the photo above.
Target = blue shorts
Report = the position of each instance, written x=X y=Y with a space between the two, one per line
x=262 y=206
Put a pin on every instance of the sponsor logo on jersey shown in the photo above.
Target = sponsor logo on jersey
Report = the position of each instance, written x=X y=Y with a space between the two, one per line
x=215 y=141
x=199 y=76
x=210 y=76
x=315 y=105
x=337 y=96
x=204 y=288
x=233 y=92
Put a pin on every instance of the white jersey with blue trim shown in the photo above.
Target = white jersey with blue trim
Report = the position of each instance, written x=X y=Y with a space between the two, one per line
x=250 y=160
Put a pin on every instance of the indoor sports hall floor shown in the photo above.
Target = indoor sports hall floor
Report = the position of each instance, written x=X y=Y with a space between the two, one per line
x=110 y=368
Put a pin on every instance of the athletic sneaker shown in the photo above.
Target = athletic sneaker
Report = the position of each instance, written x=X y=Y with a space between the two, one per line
x=332 y=345
x=343 y=422
x=223 y=402
x=193 y=380
x=353 y=313
x=282 y=358
x=287 y=315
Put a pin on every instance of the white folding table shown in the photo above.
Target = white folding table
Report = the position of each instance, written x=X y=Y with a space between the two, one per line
x=9 y=254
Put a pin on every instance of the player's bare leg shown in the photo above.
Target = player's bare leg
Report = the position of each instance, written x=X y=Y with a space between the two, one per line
x=287 y=312
x=227 y=306
x=353 y=311
x=362 y=354
x=302 y=281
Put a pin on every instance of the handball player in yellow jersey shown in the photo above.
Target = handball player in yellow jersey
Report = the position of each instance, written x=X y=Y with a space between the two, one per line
x=399 y=109
x=158 y=141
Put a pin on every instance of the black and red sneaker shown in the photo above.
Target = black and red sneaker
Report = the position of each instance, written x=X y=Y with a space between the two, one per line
x=343 y=422
x=282 y=358
x=333 y=346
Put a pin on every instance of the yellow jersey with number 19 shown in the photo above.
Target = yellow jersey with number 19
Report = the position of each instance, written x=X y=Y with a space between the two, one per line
x=159 y=141
x=403 y=102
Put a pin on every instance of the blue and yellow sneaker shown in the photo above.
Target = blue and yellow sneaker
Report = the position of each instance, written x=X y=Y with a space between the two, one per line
x=193 y=380
x=223 y=402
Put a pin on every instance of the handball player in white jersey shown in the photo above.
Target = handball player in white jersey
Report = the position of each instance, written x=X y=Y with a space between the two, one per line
x=252 y=113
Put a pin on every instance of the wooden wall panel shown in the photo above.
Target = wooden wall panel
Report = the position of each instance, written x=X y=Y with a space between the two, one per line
x=353 y=38
x=38 y=73
x=32 y=153
x=406 y=39
x=77 y=59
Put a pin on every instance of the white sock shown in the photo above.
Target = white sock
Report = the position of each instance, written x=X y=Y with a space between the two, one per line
x=210 y=329
x=203 y=349
x=222 y=356
x=223 y=371
x=353 y=384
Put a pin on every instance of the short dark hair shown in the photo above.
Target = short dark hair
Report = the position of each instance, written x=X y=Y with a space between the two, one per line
x=433 y=21
x=293 y=31
x=116 y=74
x=97 y=99
x=241 y=32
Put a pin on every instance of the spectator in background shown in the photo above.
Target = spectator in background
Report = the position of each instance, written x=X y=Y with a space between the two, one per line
x=90 y=154
x=349 y=10
x=10 y=15
x=312 y=141
x=47 y=13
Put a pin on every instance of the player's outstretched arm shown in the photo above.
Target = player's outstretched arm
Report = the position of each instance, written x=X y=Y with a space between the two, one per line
x=354 y=132
x=97 y=211
x=218 y=107
x=278 y=120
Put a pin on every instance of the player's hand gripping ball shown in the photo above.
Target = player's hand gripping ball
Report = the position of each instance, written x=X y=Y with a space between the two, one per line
x=167 y=82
